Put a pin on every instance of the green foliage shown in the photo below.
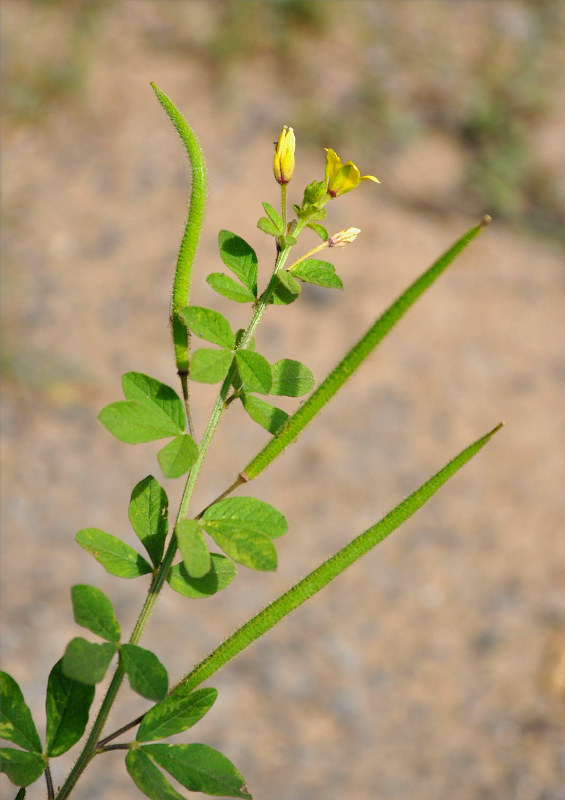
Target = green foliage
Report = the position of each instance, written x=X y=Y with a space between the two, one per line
x=229 y=288
x=199 y=768
x=269 y=417
x=148 y=778
x=151 y=411
x=116 y=557
x=195 y=554
x=320 y=273
x=148 y=514
x=245 y=513
x=255 y=371
x=146 y=675
x=176 y=713
x=209 y=325
x=22 y=767
x=210 y=366
x=243 y=527
x=177 y=457
x=16 y=722
x=291 y=378
x=93 y=610
x=238 y=256
x=286 y=289
x=221 y=574
x=67 y=706
x=87 y=662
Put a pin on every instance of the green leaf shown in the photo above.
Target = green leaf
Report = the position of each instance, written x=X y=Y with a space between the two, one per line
x=255 y=371
x=245 y=513
x=181 y=710
x=177 y=457
x=209 y=325
x=193 y=550
x=146 y=675
x=238 y=256
x=253 y=550
x=134 y=423
x=269 y=417
x=320 y=230
x=221 y=574
x=268 y=227
x=320 y=273
x=291 y=378
x=87 y=662
x=67 y=705
x=286 y=289
x=151 y=411
x=148 y=514
x=116 y=557
x=229 y=288
x=21 y=767
x=16 y=722
x=210 y=366
x=93 y=610
x=155 y=395
x=199 y=768
x=148 y=778
x=274 y=216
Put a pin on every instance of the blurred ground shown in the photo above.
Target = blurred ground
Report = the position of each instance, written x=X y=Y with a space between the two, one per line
x=434 y=668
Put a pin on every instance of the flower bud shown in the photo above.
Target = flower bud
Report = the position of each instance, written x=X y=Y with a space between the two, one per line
x=341 y=238
x=283 y=162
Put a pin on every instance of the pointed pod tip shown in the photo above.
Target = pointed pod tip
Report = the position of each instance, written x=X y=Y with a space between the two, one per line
x=498 y=427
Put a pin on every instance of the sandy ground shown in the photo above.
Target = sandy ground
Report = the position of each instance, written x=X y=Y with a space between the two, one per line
x=435 y=668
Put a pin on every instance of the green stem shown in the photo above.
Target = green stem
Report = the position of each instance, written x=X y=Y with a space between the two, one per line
x=189 y=244
x=326 y=572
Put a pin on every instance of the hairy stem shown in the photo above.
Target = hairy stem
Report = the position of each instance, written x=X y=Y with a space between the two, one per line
x=330 y=569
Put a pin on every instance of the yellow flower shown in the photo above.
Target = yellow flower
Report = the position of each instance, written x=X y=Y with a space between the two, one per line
x=341 y=238
x=283 y=162
x=341 y=178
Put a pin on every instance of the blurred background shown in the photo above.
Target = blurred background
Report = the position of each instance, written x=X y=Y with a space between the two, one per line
x=436 y=667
